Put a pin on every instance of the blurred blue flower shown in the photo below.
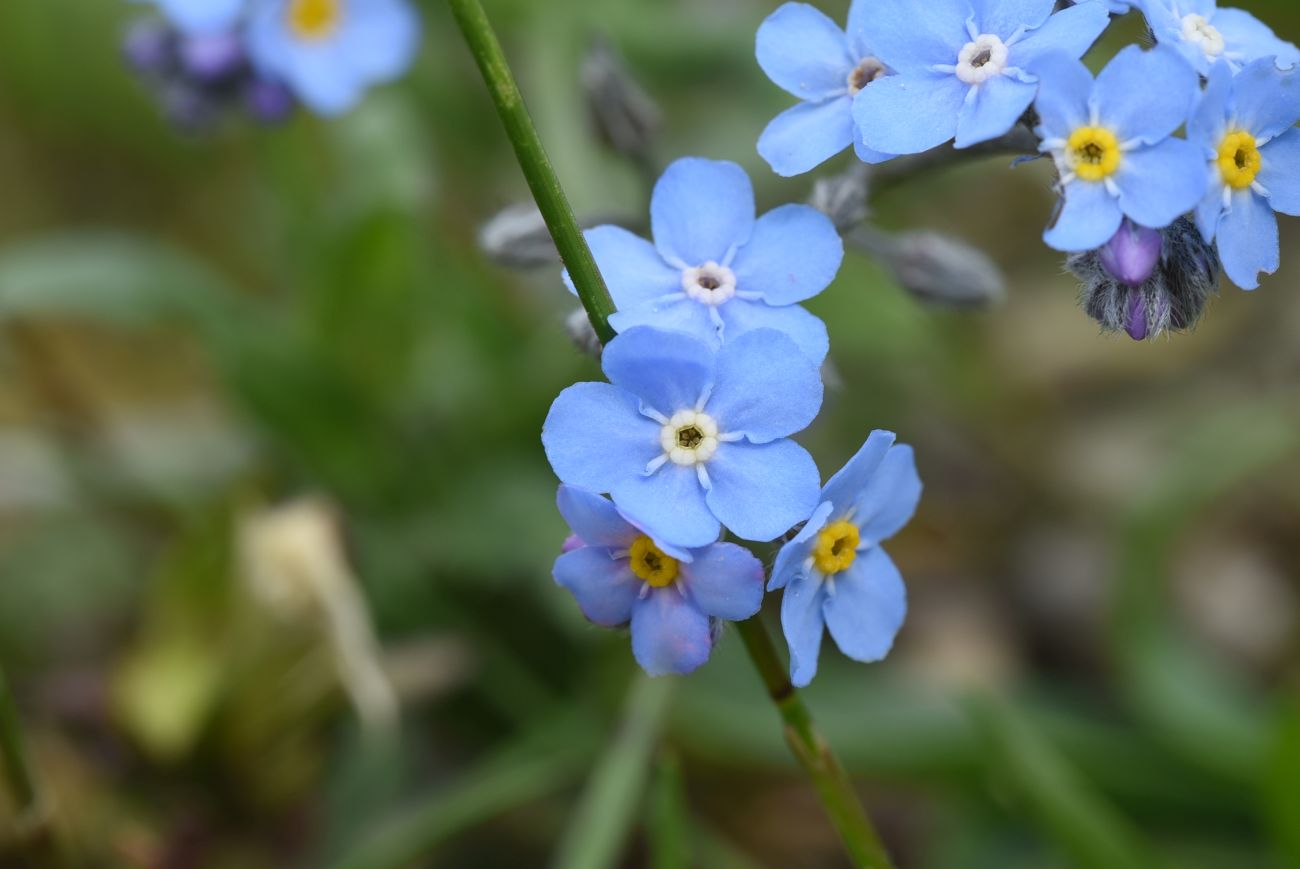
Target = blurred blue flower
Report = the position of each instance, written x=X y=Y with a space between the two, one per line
x=688 y=439
x=1111 y=142
x=1245 y=127
x=330 y=51
x=199 y=17
x=807 y=55
x=835 y=574
x=714 y=271
x=621 y=575
x=1205 y=34
x=963 y=69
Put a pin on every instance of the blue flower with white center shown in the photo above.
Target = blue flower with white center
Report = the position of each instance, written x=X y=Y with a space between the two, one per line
x=1245 y=127
x=671 y=597
x=1111 y=140
x=807 y=55
x=714 y=271
x=688 y=439
x=330 y=51
x=199 y=17
x=1205 y=34
x=835 y=574
x=963 y=68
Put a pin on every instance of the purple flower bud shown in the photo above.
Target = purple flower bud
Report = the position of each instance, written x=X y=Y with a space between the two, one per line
x=213 y=57
x=1135 y=321
x=1132 y=255
x=269 y=101
x=149 y=47
x=572 y=542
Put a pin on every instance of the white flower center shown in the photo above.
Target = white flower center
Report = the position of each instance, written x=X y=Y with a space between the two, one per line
x=982 y=59
x=865 y=73
x=1200 y=32
x=710 y=284
x=690 y=438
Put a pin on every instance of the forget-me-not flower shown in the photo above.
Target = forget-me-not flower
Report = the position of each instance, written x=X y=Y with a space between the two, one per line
x=1205 y=34
x=835 y=574
x=330 y=51
x=198 y=17
x=620 y=575
x=807 y=54
x=964 y=68
x=1245 y=126
x=1111 y=140
x=688 y=439
x=713 y=270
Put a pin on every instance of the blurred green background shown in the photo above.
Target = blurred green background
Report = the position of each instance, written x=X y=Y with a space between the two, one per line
x=260 y=389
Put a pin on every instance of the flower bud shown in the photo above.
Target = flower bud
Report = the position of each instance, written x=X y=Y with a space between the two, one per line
x=268 y=101
x=937 y=269
x=623 y=114
x=212 y=57
x=843 y=197
x=1133 y=254
x=517 y=237
x=582 y=334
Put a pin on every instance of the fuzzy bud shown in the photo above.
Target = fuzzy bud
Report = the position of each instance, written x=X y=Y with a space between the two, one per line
x=936 y=269
x=1133 y=254
x=582 y=334
x=843 y=197
x=517 y=237
x=623 y=114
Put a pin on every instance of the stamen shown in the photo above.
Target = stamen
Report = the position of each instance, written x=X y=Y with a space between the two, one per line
x=837 y=547
x=689 y=439
x=710 y=284
x=1239 y=160
x=1198 y=30
x=983 y=58
x=652 y=564
x=314 y=19
x=867 y=71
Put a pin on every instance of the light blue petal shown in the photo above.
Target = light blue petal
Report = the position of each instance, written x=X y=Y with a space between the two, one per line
x=790 y=559
x=380 y=39
x=805 y=136
x=1089 y=218
x=605 y=589
x=1245 y=35
x=793 y=254
x=803 y=625
x=889 y=499
x=1003 y=18
x=701 y=210
x=725 y=581
x=766 y=388
x=1267 y=101
x=844 y=489
x=761 y=492
x=909 y=114
x=867 y=607
x=633 y=270
x=865 y=154
x=1209 y=209
x=594 y=519
x=669 y=636
x=793 y=321
x=1070 y=32
x=1160 y=183
x=992 y=109
x=1064 y=88
x=668 y=371
x=1145 y=95
x=1279 y=172
x=1209 y=119
x=910 y=36
x=595 y=436
x=201 y=17
x=677 y=314
x=669 y=504
x=1248 y=240
x=804 y=52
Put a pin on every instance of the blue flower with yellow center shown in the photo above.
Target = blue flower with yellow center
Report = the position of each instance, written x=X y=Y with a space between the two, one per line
x=1206 y=35
x=835 y=574
x=670 y=597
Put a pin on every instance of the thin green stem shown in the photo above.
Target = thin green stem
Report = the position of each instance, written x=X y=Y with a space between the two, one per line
x=18 y=771
x=551 y=201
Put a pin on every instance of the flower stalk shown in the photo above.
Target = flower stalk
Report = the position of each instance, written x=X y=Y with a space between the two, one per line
x=18 y=770
x=809 y=747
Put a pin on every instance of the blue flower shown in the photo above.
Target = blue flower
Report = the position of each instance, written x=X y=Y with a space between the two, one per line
x=963 y=69
x=834 y=572
x=688 y=439
x=714 y=271
x=1205 y=34
x=670 y=596
x=330 y=51
x=806 y=54
x=199 y=17
x=1111 y=142
x=1245 y=127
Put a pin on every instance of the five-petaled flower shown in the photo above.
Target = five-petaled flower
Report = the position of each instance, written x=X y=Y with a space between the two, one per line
x=834 y=572
x=1204 y=34
x=713 y=270
x=671 y=597
x=688 y=439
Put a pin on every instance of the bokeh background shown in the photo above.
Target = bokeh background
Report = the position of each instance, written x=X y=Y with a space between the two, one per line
x=276 y=525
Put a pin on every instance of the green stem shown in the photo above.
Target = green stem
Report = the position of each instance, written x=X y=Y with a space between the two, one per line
x=809 y=747
x=22 y=783
x=537 y=168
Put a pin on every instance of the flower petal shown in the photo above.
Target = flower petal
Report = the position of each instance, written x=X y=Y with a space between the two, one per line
x=701 y=211
x=807 y=135
x=669 y=505
x=594 y=519
x=1248 y=240
x=679 y=314
x=1267 y=101
x=790 y=559
x=868 y=606
x=1278 y=172
x=1003 y=18
x=1122 y=95
x=910 y=36
x=844 y=489
x=725 y=581
x=595 y=436
x=1089 y=218
x=668 y=371
x=793 y=321
x=380 y=38
x=604 y=588
x=792 y=256
x=909 y=114
x=201 y=17
x=992 y=109
x=804 y=52
x=669 y=635
x=1244 y=34
x=889 y=499
x=1160 y=183
x=762 y=491
x=633 y=270
x=803 y=625
x=1209 y=121
x=766 y=388
x=1064 y=88
x=1070 y=32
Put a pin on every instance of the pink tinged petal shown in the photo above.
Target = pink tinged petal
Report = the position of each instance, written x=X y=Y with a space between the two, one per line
x=701 y=211
x=669 y=635
x=760 y=492
x=867 y=608
x=725 y=581
x=803 y=624
x=604 y=588
x=793 y=254
x=595 y=437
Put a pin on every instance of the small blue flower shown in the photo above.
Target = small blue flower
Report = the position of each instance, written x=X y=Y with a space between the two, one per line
x=1246 y=129
x=330 y=51
x=835 y=574
x=199 y=17
x=1205 y=34
x=1111 y=142
x=963 y=69
x=714 y=271
x=806 y=54
x=687 y=438
x=670 y=596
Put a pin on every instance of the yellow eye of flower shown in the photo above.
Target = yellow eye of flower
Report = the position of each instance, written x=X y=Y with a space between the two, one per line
x=1093 y=153
x=1239 y=160
x=314 y=19
x=652 y=564
x=837 y=547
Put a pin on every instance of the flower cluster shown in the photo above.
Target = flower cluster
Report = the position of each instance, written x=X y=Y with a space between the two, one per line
x=270 y=55
x=905 y=78
x=715 y=368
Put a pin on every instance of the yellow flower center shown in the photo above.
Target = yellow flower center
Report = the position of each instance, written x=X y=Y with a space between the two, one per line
x=651 y=564
x=314 y=19
x=1093 y=153
x=1239 y=160
x=836 y=547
